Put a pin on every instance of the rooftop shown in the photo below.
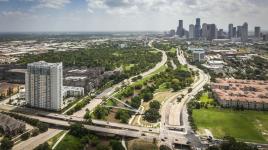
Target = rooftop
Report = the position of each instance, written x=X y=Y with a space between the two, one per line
x=241 y=90
x=44 y=64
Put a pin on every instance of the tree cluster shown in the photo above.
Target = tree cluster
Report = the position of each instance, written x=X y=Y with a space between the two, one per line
x=230 y=143
x=79 y=106
x=152 y=114
x=43 y=127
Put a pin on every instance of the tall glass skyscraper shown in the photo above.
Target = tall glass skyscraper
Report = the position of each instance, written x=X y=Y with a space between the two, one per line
x=43 y=84
x=197 y=28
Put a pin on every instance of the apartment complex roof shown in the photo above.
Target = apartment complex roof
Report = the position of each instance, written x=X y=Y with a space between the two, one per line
x=241 y=90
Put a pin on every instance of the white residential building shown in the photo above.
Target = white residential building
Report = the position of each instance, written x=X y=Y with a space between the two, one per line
x=73 y=91
x=43 y=85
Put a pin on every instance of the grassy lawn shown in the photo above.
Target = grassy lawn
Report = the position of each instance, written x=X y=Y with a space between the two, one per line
x=128 y=67
x=183 y=67
x=141 y=81
x=173 y=50
x=141 y=145
x=69 y=142
x=205 y=99
x=243 y=125
x=54 y=139
x=162 y=88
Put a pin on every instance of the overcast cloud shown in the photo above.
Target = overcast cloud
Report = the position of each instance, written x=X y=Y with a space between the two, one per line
x=127 y=15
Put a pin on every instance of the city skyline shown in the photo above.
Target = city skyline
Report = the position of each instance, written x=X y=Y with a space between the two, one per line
x=126 y=15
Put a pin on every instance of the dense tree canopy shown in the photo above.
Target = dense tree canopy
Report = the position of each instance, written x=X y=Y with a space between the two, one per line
x=132 y=60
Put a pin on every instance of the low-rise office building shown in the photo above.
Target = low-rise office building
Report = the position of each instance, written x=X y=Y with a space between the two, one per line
x=71 y=91
x=247 y=94
x=199 y=55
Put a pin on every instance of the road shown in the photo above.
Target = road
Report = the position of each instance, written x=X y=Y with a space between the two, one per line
x=174 y=114
x=33 y=142
x=109 y=91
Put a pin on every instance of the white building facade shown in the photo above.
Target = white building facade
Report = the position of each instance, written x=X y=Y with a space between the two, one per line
x=43 y=85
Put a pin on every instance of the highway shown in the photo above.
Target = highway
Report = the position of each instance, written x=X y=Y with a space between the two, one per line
x=98 y=126
x=174 y=114
x=33 y=142
x=109 y=91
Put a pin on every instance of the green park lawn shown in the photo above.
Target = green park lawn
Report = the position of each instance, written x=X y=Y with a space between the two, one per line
x=69 y=142
x=129 y=66
x=205 y=98
x=245 y=125
x=146 y=78
x=163 y=87
x=173 y=50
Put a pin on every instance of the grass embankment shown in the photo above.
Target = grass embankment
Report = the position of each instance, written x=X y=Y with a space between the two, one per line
x=54 y=139
x=69 y=142
x=141 y=145
x=143 y=80
x=205 y=98
x=244 y=125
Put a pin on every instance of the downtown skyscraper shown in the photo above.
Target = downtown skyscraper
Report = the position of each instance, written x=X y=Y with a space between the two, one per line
x=230 y=31
x=257 y=32
x=180 y=30
x=244 y=32
x=197 y=28
x=191 y=31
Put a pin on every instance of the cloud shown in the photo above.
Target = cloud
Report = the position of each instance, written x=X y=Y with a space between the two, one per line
x=55 y=4
x=179 y=6
x=131 y=14
x=14 y=14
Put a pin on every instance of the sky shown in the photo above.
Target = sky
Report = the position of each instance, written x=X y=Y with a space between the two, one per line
x=127 y=15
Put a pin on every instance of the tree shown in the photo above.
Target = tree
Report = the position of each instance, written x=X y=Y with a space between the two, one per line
x=25 y=136
x=116 y=145
x=230 y=143
x=94 y=140
x=175 y=84
x=147 y=96
x=43 y=127
x=102 y=147
x=100 y=112
x=85 y=140
x=135 y=102
x=88 y=117
x=44 y=146
x=190 y=90
x=123 y=115
x=6 y=144
x=35 y=132
x=164 y=147
x=152 y=115
x=155 y=104
x=138 y=86
x=78 y=130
